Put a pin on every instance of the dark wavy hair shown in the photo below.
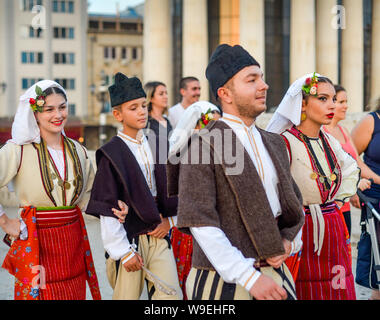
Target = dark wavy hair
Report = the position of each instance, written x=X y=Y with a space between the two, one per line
x=54 y=90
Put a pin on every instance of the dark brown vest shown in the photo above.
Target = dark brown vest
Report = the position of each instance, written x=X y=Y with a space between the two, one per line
x=235 y=203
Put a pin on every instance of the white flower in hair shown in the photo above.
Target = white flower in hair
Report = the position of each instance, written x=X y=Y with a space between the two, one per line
x=313 y=90
x=40 y=103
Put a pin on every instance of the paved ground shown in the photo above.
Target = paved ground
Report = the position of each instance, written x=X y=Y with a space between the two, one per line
x=6 y=281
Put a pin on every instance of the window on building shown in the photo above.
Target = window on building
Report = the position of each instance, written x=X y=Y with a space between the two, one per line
x=27 y=5
x=135 y=54
x=72 y=109
x=30 y=32
x=64 y=58
x=26 y=83
x=35 y=33
x=94 y=24
x=124 y=53
x=71 y=33
x=32 y=57
x=70 y=7
x=63 y=6
x=128 y=26
x=109 y=53
x=67 y=84
x=109 y=25
x=63 y=33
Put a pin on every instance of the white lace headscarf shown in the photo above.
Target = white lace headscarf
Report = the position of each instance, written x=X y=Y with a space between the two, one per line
x=25 y=129
x=187 y=124
x=289 y=110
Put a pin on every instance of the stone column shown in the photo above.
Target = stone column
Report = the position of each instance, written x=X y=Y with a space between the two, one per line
x=375 y=65
x=252 y=29
x=302 y=38
x=195 y=43
x=352 y=73
x=157 y=53
x=327 y=40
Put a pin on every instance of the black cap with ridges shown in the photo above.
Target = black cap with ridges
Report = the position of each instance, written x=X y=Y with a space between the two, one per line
x=225 y=62
x=125 y=89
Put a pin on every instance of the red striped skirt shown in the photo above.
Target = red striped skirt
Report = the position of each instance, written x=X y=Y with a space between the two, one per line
x=61 y=255
x=329 y=275
x=182 y=244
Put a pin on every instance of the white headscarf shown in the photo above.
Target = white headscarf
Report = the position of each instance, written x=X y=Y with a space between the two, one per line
x=289 y=110
x=25 y=129
x=187 y=124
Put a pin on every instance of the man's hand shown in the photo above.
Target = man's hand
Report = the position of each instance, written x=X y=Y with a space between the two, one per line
x=277 y=261
x=162 y=229
x=121 y=214
x=266 y=289
x=134 y=264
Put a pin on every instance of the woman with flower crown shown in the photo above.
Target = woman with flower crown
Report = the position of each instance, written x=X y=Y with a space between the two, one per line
x=50 y=255
x=327 y=177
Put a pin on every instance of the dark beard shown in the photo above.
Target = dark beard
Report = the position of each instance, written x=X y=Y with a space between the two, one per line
x=248 y=111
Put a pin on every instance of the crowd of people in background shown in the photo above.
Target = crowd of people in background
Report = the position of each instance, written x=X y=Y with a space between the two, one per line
x=189 y=230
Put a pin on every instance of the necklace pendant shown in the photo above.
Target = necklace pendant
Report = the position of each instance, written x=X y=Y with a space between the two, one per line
x=314 y=176
x=67 y=185
x=321 y=179
x=333 y=177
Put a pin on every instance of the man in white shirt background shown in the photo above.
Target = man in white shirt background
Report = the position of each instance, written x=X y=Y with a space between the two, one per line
x=190 y=90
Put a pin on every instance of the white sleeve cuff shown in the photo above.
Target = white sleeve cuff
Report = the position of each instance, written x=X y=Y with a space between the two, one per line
x=128 y=256
x=248 y=278
x=296 y=243
x=114 y=238
x=227 y=260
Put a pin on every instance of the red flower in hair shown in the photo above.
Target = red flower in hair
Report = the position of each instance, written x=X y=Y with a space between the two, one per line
x=308 y=81
x=32 y=101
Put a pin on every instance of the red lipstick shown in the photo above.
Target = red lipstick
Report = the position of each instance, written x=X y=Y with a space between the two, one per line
x=330 y=115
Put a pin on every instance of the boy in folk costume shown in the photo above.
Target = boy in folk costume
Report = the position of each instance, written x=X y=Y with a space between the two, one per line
x=244 y=220
x=130 y=168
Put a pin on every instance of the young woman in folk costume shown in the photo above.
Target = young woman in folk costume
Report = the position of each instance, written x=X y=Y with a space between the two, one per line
x=327 y=176
x=195 y=117
x=50 y=254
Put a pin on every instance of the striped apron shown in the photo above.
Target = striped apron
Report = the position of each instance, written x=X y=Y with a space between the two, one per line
x=55 y=261
x=327 y=276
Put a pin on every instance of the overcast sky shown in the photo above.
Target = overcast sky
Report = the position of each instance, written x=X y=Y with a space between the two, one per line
x=109 y=6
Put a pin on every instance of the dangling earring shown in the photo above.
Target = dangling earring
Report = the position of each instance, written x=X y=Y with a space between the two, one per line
x=303 y=116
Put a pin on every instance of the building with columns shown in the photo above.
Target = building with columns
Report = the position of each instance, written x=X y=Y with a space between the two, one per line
x=337 y=38
x=42 y=39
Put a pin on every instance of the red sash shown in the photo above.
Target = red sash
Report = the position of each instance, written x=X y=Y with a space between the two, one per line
x=24 y=257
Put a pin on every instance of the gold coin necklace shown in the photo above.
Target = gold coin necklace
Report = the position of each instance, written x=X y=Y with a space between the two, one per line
x=315 y=174
x=63 y=183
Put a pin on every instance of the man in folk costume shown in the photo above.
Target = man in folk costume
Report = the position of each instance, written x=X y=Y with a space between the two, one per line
x=50 y=256
x=132 y=168
x=246 y=219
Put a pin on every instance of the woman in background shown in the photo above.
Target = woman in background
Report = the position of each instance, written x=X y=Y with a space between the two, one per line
x=366 y=138
x=157 y=101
